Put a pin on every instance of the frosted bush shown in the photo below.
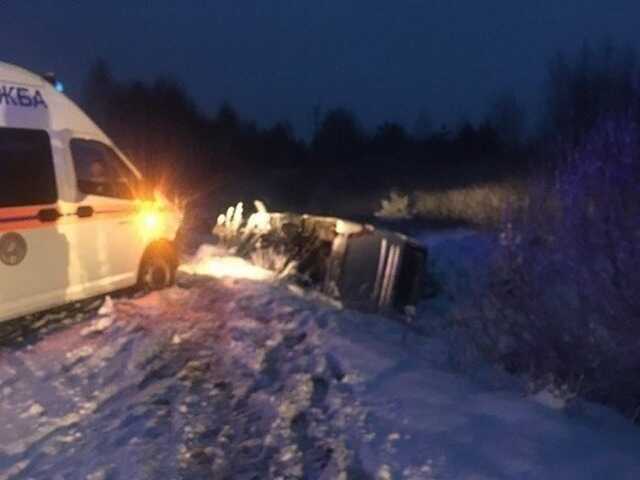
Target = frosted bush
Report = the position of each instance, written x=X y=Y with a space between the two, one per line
x=481 y=204
x=396 y=207
x=254 y=239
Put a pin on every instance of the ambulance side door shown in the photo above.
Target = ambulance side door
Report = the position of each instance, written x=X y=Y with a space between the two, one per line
x=106 y=189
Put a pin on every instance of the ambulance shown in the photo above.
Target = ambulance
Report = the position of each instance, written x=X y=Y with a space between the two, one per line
x=76 y=217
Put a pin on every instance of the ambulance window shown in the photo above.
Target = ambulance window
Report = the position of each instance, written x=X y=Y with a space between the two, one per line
x=100 y=171
x=27 y=176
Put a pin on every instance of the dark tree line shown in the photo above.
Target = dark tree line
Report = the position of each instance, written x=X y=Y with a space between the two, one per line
x=162 y=129
x=159 y=126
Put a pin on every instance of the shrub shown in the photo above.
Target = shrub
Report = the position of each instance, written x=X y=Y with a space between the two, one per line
x=564 y=301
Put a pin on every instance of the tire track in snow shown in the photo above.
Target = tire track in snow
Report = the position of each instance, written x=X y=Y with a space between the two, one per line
x=206 y=381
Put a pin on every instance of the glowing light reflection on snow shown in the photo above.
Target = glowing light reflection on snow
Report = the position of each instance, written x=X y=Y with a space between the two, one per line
x=227 y=267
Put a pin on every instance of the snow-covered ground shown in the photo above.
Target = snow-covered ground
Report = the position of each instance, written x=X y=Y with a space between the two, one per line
x=246 y=377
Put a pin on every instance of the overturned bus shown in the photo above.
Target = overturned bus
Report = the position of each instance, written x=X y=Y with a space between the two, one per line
x=365 y=268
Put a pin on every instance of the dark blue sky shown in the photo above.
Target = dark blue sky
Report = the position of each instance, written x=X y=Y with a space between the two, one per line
x=276 y=59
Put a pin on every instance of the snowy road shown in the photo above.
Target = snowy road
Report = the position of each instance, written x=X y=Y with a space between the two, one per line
x=250 y=379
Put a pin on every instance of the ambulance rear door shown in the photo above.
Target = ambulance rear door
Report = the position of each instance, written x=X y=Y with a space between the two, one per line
x=34 y=254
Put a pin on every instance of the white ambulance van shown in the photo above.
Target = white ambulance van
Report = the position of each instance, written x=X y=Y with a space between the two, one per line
x=76 y=219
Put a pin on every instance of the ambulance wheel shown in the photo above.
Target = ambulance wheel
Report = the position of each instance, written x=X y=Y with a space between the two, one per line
x=158 y=269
